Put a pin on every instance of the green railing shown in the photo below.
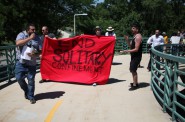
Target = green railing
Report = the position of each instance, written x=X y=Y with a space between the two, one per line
x=122 y=45
x=168 y=79
x=7 y=62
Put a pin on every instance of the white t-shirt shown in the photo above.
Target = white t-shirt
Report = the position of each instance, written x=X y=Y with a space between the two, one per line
x=175 y=39
x=110 y=34
x=155 y=41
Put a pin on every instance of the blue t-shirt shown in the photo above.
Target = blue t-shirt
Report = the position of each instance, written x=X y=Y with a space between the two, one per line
x=35 y=43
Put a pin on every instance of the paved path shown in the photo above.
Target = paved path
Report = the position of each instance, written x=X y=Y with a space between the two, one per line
x=64 y=102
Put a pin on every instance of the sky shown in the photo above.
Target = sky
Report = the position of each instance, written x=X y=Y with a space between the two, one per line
x=100 y=1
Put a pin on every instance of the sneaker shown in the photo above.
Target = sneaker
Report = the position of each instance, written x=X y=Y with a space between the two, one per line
x=132 y=85
x=94 y=84
x=42 y=81
x=32 y=101
x=140 y=66
x=133 y=88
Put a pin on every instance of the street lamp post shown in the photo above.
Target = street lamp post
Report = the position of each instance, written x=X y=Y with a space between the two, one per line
x=74 y=20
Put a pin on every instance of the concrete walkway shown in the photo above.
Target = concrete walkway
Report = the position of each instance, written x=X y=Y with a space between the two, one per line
x=64 y=102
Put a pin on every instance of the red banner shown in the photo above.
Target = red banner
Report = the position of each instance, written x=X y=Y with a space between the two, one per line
x=81 y=59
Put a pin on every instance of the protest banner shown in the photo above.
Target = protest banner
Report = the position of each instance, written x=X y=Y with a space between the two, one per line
x=82 y=59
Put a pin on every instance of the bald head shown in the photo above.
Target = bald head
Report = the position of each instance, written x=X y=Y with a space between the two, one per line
x=45 y=30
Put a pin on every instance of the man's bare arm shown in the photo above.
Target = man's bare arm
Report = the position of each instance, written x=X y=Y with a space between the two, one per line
x=24 y=41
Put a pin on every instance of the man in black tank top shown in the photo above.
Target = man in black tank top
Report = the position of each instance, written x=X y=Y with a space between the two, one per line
x=136 y=54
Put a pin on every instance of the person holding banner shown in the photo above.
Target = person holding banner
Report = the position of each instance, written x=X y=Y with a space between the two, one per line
x=110 y=32
x=27 y=43
x=45 y=32
x=98 y=34
x=98 y=31
x=136 y=53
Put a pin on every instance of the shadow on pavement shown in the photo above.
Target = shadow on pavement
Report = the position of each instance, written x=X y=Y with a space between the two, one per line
x=113 y=80
x=110 y=81
x=116 y=63
x=7 y=84
x=143 y=85
x=67 y=82
x=49 y=95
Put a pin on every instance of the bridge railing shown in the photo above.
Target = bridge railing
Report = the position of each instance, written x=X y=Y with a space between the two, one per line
x=122 y=45
x=7 y=62
x=168 y=79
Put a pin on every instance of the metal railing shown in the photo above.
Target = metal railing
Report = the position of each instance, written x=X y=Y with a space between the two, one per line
x=122 y=45
x=7 y=62
x=168 y=79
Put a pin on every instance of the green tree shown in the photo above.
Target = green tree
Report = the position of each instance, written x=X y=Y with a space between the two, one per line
x=166 y=15
x=14 y=15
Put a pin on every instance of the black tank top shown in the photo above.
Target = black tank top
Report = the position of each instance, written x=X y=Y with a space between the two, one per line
x=139 y=53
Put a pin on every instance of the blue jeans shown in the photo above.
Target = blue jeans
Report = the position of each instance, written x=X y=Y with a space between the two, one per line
x=23 y=71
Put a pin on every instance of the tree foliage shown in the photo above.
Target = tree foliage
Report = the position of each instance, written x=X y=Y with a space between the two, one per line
x=16 y=14
x=166 y=15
